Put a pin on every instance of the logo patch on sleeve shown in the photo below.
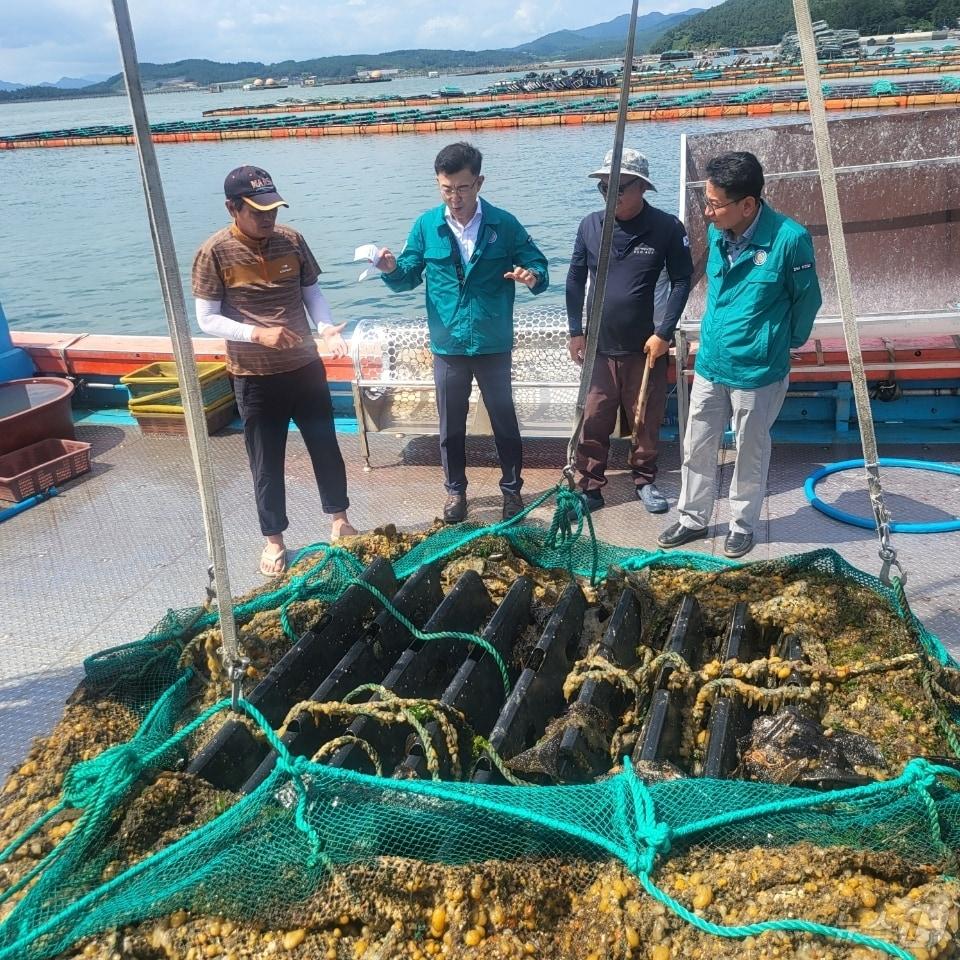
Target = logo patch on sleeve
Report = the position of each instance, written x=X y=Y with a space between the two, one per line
x=802 y=266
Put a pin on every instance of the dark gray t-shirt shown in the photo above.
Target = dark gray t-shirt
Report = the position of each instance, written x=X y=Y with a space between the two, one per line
x=641 y=248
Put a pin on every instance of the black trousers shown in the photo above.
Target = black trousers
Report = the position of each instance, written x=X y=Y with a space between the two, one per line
x=453 y=377
x=267 y=405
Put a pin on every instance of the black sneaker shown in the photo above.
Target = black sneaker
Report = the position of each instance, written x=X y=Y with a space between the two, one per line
x=677 y=534
x=737 y=544
x=512 y=505
x=455 y=509
x=592 y=500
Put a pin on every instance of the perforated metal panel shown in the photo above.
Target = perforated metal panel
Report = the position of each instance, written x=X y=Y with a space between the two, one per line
x=394 y=368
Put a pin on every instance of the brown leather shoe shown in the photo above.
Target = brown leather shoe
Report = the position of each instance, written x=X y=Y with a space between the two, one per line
x=455 y=509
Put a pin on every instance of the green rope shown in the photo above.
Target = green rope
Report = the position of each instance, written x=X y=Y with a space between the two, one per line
x=656 y=838
x=563 y=534
x=406 y=566
x=294 y=767
x=944 y=721
x=768 y=926
x=307 y=586
x=22 y=839
x=915 y=770
x=71 y=802
x=100 y=785
x=408 y=625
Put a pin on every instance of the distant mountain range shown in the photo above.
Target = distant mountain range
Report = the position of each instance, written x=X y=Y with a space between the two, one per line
x=64 y=83
x=602 y=40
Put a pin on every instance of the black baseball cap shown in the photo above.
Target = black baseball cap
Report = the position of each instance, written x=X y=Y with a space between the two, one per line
x=254 y=186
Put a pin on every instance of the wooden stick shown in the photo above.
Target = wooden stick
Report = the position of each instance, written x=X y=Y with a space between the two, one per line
x=642 y=401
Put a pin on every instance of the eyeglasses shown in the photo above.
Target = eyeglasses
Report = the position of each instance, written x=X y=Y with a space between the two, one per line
x=714 y=207
x=463 y=190
x=603 y=186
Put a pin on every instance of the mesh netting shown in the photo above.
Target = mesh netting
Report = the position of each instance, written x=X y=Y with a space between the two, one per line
x=126 y=855
x=395 y=369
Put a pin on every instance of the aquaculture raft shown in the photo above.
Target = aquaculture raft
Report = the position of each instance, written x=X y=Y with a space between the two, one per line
x=198 y=830
x=703 y=104
x=654 y=82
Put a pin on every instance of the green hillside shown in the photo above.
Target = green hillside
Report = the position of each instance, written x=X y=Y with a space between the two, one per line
x=738 y=23
x=602 y=40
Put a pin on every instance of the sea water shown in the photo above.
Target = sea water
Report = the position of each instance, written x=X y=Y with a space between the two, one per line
x=77 y=253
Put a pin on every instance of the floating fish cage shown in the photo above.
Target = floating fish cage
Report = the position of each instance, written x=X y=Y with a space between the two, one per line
x=729 y=75
x=760 y=100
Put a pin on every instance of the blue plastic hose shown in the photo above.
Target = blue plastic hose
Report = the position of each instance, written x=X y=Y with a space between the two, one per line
x=810 y=484
x=27 y=504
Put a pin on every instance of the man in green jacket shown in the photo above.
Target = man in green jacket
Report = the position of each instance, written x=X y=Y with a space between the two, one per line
x=471 y=255
x=762 y=298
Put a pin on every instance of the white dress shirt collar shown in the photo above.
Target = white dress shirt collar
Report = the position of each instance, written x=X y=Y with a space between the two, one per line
x=466 y=234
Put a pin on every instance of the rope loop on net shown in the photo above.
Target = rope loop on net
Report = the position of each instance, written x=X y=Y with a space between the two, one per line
x=652 y=837
x=564 y=533
x=655 y=837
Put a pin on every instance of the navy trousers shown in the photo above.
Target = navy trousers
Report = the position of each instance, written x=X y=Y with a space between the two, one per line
x=267 y=405
x=453 y=376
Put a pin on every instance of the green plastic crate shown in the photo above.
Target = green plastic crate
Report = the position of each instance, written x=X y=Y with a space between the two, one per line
x=157 y=385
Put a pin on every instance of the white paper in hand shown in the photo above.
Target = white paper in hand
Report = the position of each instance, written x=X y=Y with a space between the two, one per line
x=371 y=253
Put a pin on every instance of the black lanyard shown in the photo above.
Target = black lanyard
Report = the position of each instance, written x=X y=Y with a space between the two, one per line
x=457 y=259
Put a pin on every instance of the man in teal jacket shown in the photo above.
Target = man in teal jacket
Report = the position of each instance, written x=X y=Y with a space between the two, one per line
x=762 y=298
x=471 y=255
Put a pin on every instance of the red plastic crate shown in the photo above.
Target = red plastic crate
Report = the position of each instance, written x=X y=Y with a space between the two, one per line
x=41 y=465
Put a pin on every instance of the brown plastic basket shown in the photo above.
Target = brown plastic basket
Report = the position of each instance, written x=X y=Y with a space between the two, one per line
x=175 y=424
x=41 y=465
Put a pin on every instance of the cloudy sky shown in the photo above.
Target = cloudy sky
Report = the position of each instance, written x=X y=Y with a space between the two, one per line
x=43 y=40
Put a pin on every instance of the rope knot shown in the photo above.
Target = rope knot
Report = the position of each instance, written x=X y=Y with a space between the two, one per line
x=657 y=837
x=109 y=773
x=563 y=529
x=299 y=766
x=922 y=775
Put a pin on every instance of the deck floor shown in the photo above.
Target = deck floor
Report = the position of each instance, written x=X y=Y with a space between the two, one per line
x=100 y=564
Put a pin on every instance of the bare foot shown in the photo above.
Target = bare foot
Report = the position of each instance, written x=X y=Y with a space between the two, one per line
x=273 y=560
x=341 y=527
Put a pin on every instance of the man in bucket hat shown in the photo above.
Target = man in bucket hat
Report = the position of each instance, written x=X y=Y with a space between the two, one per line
x=634 y=333
x=255 y=284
